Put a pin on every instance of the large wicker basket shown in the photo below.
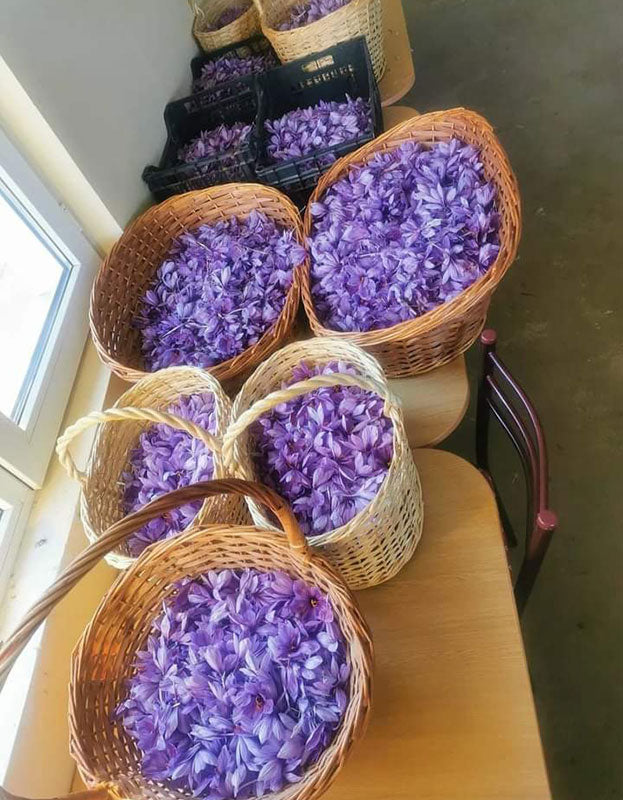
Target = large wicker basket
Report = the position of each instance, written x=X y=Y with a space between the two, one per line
x=381 y=538
x=129 y=269
x=139 y=408
x=105 y=656
x=207 y=13
x=439 y=336
x=356 y=18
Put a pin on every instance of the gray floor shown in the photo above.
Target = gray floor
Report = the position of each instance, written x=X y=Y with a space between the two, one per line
x=549 y=76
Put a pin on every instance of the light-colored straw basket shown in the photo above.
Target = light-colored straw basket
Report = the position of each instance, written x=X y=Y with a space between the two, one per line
x=131 y=265
x=440 y=335
x=357 y=18
x=138 y=409
x=207 y=13
x=104 y=657
x=381 y=538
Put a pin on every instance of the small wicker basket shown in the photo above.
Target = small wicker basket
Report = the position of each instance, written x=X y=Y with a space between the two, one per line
x=141 y=406
x=439 y=336
x=129 y=269
x=207 y=12
x=356 y=18
x=104 y=657
x=381 y=538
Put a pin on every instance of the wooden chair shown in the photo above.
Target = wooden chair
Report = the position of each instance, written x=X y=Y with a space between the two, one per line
x=500 y=395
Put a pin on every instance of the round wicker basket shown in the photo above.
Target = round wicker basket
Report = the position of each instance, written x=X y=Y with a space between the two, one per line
x=356 y=18
x=129 y=270
x=381 y=538
x=207 y=13
x=439 y=336
x=105 y=655
x=139 y=408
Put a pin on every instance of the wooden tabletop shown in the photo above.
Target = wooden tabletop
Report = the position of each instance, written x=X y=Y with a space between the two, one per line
x=399 y=74
x=453 y=715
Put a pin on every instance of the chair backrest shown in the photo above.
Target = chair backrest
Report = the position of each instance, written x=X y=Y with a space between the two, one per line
x=500 y=395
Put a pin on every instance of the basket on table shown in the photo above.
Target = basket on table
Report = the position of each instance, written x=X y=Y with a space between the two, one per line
x=104 y=658
x=118 y=431
x=207 y=13
x=356 y=18
x=185 y=119
x=376 y=543
x=440 y=335
x=129 y=269
x=344 y=69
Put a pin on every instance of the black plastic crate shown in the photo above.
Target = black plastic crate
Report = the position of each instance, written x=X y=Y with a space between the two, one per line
x=171 y=177
x=330 y=75
x=256 y=45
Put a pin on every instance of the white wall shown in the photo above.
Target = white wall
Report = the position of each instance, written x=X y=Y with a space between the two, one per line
x=101 y=72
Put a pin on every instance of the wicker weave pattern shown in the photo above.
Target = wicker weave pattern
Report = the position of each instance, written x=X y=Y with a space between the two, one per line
x=208 y=11
x=129 y=270
x=438 y=337
x=137 y=409
x=357 y=18
x=376 y=543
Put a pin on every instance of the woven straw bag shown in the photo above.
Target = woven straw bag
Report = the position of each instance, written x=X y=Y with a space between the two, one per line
x=139 y=408
x=104 y=658
x=381 y=538
x=356 y=18
x=129 y=270
x=207 y=12
x=440 y=335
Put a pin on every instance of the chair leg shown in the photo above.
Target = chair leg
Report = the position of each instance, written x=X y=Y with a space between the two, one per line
x=546 y=524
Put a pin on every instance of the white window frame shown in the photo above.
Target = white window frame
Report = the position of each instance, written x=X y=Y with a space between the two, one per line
x=25 y=451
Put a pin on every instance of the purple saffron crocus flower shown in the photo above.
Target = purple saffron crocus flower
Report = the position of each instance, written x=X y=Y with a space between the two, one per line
x=401 y=235
x=309 y=11
x=228 y=16
x=327 y=453
x=224 y=140
x=241 y=685
x=228 y=67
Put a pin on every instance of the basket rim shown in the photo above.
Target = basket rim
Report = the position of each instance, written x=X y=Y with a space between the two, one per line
x=236 y=364
x=446 y=312
x=360 y=646
x=224 y=29
x=309 y=27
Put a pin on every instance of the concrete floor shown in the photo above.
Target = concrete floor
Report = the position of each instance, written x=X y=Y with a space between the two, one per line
x=549 y=76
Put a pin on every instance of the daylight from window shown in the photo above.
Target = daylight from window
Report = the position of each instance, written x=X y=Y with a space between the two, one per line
x=30 y=275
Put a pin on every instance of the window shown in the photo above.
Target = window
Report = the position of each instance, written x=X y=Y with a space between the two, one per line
x=46 y=270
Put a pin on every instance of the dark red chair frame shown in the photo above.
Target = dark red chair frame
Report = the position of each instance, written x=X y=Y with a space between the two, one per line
x=500 y=395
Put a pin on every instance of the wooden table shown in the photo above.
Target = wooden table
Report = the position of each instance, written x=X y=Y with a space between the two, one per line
x=399 y=74
x=453 y=715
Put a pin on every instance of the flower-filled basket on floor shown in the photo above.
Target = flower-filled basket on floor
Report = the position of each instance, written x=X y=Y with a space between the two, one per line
x=162 y=434
x=298 y=28
x=219 y=23
x=317 y=423
x=208 y=279
x=408 y=237
x=228 y=662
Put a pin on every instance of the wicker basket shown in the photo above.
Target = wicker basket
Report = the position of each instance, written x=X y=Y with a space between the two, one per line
x=439 y=336
x=140 y=407
x=378 y=541
x=105 y=655
x=129 y=269
x=208 y=11
x=357 y=18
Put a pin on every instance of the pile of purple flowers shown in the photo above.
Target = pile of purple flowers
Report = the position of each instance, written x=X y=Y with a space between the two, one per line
x=309 y=11
x=401 y=235
x=228 y=16
x=304 y=130
x=218 y=291
x=224 y=140
x=166 y=459
x=242 y=686
x=229 y=67
x=326 y=452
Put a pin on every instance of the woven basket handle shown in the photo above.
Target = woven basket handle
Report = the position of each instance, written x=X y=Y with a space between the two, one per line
x=260 y=407
x=118 y=532
x=103 y=791
x=123 y=415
